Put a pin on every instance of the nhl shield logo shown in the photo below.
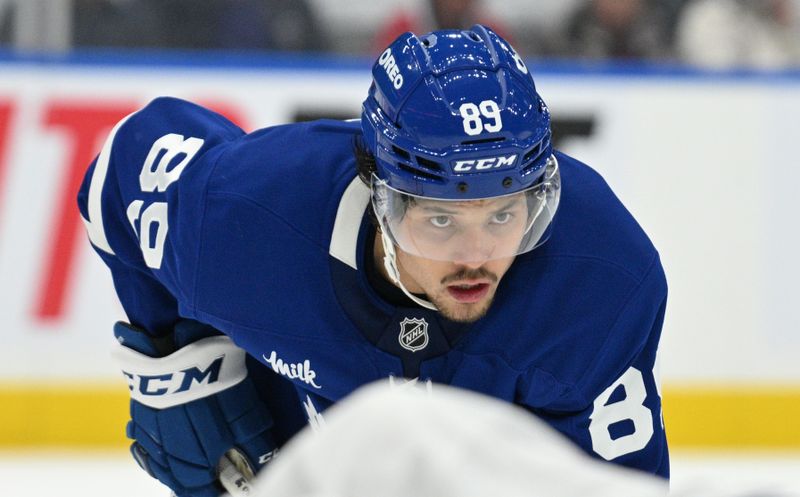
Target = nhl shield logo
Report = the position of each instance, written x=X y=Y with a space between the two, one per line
x=413 y=334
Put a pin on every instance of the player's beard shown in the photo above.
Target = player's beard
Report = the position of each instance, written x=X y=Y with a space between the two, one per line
x=464 y=313
x=418 y=275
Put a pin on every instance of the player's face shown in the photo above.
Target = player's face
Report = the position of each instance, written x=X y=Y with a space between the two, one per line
x=462 y=291
x=466 y=238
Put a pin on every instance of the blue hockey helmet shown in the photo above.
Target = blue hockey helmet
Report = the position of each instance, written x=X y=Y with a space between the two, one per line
x=455 y=115
x=464 y=166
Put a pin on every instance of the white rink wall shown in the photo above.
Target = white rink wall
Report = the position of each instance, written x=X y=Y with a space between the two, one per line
x=705 y=162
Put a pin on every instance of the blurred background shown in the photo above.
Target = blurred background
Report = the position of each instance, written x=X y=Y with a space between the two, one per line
x=689 y=108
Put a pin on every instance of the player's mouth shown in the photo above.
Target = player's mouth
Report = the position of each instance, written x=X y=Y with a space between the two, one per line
x=468 y=292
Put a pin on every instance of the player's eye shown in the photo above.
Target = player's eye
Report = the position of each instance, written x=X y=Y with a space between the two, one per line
x=441 y=221
x=501 y=218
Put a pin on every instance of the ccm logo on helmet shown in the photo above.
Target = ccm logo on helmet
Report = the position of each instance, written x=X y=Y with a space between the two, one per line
x=463 y=166
x=386 y=60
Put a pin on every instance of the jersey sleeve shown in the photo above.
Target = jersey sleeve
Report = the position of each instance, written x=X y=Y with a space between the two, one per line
x=614 y=410
x=143 y=199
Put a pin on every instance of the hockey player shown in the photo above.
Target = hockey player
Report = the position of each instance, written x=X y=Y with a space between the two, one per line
x=441 y=238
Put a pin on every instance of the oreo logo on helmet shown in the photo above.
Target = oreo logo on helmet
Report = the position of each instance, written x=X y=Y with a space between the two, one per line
x=389 y=64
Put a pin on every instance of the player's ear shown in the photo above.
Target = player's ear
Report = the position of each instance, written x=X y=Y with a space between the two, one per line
x=365 y=161
x=374 y=219
x=365 y=168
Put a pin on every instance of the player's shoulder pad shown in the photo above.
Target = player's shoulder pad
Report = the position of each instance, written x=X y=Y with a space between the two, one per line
x=139 y=165
x=174 y=115
x=592 y=223
x=169 y=118
x=293 y=170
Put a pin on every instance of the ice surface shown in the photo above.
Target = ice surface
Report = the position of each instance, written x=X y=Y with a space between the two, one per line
x=115 y=474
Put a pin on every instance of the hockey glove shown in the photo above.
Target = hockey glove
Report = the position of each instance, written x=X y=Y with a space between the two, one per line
x=191 y=401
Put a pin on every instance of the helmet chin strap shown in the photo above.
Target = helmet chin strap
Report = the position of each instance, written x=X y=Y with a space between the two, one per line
x=390 y=263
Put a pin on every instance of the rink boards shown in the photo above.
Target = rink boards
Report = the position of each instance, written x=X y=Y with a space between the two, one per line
x=705 y=162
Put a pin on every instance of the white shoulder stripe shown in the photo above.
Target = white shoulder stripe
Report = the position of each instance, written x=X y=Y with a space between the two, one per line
x=94 y=225
x=348 y=221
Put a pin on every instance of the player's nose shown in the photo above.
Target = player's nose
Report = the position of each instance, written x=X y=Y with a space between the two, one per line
x=472 y=249
x=471 y=264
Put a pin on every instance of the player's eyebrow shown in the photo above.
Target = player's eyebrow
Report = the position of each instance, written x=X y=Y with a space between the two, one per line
x=508 y=204
x=440 y=209
x=437 y=209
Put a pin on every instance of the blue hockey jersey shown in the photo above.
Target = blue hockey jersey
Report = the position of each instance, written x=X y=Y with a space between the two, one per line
x=265 y=237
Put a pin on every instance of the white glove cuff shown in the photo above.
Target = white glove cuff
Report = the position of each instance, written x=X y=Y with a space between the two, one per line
x=200 y=369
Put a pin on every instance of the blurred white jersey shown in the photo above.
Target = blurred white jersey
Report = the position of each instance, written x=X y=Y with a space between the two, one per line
x=389 y=441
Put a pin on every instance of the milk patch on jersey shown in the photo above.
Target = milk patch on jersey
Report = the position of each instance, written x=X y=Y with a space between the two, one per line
x=298 y=370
